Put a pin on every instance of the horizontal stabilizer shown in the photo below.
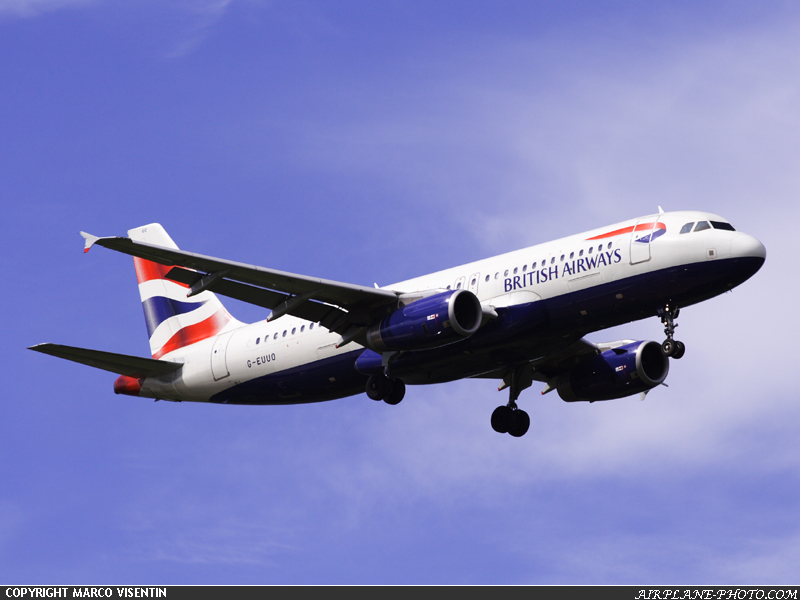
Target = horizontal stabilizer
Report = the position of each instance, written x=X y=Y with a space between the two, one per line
x=122 y=364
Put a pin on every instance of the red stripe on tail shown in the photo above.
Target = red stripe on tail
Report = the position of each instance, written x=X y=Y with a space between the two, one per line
x=191 y=334
x=147 y=270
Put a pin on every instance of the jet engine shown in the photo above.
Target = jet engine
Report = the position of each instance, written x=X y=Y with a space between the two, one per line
x=428 y=322
x=629 y=369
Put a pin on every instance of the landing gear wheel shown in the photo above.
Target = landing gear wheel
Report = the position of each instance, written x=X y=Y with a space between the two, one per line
x=668 y=347
x=396 y=393
x=680 y=350
x=502 y=418
x=378 y=387
x=520 y=425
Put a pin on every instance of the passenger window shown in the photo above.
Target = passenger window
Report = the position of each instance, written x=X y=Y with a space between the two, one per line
x=258 y=341
x=571 y=255
x=276 y=336
x=302 y=328
x=609 y=245
x=458 y=287
x=506 y=273
x=687 y=228
x=533 y=266
x=284 y=333
x=474 y=281
x=562 y=258
x=590 y=250
x=721 y=225
x=487 y=278
x=515 y=270
x=580 y=253
x=294 y=329
x=496 y=275
x=702 y=226
x=310 y=327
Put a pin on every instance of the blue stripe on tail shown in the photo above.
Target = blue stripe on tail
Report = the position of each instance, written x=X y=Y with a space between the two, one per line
x=158 y=309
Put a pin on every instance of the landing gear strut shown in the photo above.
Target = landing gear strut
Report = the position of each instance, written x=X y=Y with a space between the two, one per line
x=510 y=418
x=671 y=347
x=380 y=387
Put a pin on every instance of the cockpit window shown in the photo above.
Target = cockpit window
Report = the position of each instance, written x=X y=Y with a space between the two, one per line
x=687 y=228
x=721 y=225
x=702 y=225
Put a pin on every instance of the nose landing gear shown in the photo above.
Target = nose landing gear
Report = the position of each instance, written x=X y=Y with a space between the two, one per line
x=671 y=347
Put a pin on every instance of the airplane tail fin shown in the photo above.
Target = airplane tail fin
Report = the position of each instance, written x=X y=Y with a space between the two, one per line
x=173 y=320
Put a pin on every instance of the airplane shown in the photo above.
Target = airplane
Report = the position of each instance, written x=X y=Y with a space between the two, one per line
x=517 y=318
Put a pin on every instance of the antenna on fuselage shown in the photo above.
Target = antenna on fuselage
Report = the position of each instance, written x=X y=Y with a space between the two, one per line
x=660 y=210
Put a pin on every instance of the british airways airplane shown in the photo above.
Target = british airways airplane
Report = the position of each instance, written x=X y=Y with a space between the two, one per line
x=517 y=318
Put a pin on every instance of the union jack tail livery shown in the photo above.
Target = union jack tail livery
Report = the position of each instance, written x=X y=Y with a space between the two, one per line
x=173 y=319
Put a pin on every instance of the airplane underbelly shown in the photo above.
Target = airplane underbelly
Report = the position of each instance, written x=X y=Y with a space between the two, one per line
x=316 y=381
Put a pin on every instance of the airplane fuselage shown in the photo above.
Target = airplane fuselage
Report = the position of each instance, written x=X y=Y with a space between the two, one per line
x=537 y=301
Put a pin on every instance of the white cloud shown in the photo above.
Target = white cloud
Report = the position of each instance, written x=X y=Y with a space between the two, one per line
x=202 y=15
x=33 y=8
x=192 y=19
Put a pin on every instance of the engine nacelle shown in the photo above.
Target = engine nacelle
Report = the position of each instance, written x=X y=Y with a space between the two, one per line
x=616 y=373
x=428 y=322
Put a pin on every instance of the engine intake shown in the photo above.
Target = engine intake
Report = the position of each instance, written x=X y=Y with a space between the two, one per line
x=616 y=373
x=429 y=322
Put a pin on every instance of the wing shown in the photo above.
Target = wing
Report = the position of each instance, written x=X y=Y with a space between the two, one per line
x=122 y=364
x=341 y=307
x=548 y=368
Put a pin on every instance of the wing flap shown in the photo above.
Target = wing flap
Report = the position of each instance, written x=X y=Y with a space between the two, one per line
x=549 y=366
x=122 y=364
x=316 y=312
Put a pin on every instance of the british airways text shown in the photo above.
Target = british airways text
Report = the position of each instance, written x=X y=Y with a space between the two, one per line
x=572 y=267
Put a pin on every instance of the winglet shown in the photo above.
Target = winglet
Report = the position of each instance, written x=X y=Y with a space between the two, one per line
x=90 y=240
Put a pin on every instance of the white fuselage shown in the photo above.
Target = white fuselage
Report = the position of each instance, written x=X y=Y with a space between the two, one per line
x=543 y=272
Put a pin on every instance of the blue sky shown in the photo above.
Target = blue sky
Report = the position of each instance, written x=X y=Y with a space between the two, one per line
x=373 y=142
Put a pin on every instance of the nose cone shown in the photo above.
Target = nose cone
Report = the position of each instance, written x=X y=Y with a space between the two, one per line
x=748 y=254
x=746 y=246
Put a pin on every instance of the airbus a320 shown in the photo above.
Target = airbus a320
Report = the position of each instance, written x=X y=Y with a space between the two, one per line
x=517 y=318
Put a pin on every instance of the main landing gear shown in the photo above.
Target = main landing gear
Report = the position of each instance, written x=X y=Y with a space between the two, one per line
x=380 y=387
x=671 y=347
x=510 y=418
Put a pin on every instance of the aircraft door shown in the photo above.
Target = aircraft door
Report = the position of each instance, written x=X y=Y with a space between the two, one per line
x=640 y=240
x=473 y=283
x=219 y=352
